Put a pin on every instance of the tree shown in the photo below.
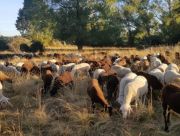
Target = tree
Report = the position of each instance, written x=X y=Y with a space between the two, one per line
x=35 y=21
x=87 y=21
x=72 y=17
x=105 y=23
x=101 y=22
x=170 y=20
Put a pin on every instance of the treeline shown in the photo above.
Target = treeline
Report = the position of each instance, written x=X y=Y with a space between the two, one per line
x=101 y=22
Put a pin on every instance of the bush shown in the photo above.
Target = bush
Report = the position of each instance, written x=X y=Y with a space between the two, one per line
x=3 y=44
x=15 y=42
x=37 y=46
x=25 y=47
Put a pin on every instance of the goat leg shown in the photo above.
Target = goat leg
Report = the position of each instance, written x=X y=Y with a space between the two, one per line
x=165 y=118
x=168 y=116
x=93 y=107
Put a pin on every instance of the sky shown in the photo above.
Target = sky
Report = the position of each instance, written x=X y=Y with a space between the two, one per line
x=8 y=15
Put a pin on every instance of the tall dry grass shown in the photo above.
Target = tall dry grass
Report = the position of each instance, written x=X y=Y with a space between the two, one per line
x=70 y=114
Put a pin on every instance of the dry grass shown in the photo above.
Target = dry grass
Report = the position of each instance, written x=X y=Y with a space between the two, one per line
x=70 y=114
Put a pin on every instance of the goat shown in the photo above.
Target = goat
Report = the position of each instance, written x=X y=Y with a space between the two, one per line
x=61 y=81
x=170 y=75
x=170 y=101
x=96 y=94
x=120 y=71
x=134 y=90
x=47 y=79
x=124 y=81
x=112 y=87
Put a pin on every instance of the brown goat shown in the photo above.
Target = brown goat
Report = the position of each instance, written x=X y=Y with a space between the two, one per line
x=35 y=71
x=4 y=77
x=45 y=68
x=106 y=60
x=122 y=62
x=135 y=67
x=59 y=82
x=128 y=60
x=135 y=58
x=96 y=94
x=106 y=67
x=163 y=59
x=140 y=66
x=144 y=65
x=177 y=55
x=26 y=67
x=56 y=55
x=167 y=53
x=170 y=101
x=47 y=79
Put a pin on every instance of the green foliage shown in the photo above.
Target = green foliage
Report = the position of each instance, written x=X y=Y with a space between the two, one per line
x=3 y=43
x=170 y=22
x=36 y=46
x=35 y=21
x=101 y=22
x=24 y=47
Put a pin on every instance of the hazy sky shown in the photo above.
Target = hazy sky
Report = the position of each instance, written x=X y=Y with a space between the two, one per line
x=8 y=15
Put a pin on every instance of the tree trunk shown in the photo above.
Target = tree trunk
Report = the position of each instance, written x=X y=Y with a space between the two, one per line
x=130 y=37
x=79 y=40
x=80 y=47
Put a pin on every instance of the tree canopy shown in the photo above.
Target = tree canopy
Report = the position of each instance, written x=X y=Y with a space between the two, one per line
x=101 y=22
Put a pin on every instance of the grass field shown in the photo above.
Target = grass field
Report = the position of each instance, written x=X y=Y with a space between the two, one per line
x=69 y=114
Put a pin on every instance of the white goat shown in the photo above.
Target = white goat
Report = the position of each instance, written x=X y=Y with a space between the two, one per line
x=80 y=68
x=4 y=101
x=53 y=60
x=172 y=66
x=67 y=67
x=170 y=75
x=124 y=81
x=13 y=70
x=42 y=63
x=154 y=62
x=19 y=66
x=158 y=74
x=163 y=67
x=120 y=70
x=134 y=90
x=54 y=67
x=116 y=61
x=97 y=73
x=144 y=58
x=9 y=69
x=2 y=67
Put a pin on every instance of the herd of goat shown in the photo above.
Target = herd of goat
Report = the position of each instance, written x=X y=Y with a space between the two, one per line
x=125 y=80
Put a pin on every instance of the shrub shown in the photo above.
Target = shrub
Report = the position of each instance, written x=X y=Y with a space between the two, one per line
x=24 y=47
x=15 y=42
x=3 y=44
x=37 y=46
